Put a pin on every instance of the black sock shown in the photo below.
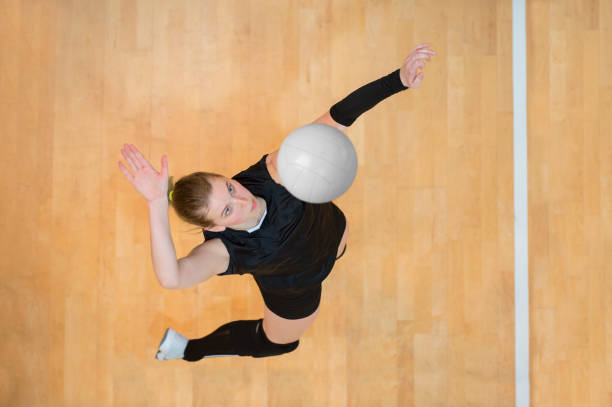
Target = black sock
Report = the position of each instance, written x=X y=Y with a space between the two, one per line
x=237 y=338
x=217 y=343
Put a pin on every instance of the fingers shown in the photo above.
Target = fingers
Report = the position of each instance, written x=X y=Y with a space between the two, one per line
x=424 y=51
x=421 y=52
x=419 y=55
x=418 y=79
x=164 y=169
x=422 y=47
x=129 y=158
x=416 y=60
x=134 y=157
x=414 y=66
x=137 y=157
x=127 y=173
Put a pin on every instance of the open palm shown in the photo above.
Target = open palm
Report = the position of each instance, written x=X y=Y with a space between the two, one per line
x=147 y=181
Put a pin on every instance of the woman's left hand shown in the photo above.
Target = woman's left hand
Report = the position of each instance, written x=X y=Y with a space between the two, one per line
x=409 y=72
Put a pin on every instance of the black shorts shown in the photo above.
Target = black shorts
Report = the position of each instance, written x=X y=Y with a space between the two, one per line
x=295 y=307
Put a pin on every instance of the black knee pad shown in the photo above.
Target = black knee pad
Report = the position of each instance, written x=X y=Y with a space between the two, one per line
x=249 y=339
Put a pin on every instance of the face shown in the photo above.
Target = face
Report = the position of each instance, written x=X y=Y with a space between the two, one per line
x=231 y=205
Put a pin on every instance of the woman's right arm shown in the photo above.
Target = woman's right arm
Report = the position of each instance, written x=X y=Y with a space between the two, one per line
x=163 y=253
x=153 y=186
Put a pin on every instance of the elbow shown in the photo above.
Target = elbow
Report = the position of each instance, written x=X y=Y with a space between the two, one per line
x=169 y=278
x=170 y=285
x=327 y=119
x=334 y=123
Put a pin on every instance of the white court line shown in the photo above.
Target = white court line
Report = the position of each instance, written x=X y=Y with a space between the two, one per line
x=521 y=263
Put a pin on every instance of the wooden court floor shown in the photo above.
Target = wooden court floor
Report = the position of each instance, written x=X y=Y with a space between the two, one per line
x=420 y=309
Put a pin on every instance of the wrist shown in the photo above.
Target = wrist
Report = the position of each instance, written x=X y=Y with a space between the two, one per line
x=399 y=75
x=157 y=203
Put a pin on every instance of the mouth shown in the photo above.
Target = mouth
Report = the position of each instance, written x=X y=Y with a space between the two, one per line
x=254 y=205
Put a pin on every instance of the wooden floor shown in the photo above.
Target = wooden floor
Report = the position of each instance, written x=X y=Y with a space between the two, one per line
x=419 y=311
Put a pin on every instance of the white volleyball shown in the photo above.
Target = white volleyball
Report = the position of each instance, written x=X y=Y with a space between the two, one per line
x=317 y=163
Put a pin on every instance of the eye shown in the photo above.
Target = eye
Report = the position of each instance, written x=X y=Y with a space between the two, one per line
x=230 y=188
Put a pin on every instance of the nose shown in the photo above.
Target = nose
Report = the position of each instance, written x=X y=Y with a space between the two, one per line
x=245 y=201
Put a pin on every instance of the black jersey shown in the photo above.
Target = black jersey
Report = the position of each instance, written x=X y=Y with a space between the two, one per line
x=295 y=246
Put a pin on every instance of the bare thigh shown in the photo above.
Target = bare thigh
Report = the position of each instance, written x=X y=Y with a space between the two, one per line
x=281 y=330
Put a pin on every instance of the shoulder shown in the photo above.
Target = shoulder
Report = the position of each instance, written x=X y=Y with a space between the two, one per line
x=271 y=161
x=217 y=247
x=205 y=260
x=272 y=158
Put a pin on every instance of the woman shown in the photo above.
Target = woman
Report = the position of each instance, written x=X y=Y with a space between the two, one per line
x=252 y=225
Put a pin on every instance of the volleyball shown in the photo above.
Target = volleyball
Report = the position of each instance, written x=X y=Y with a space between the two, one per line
x=317 y=163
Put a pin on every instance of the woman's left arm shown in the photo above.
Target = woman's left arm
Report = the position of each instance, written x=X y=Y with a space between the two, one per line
x=345 y=112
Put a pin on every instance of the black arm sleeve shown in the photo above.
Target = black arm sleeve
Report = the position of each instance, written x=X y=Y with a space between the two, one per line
x=363 y=99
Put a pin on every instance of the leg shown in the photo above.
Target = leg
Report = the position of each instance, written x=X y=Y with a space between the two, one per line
x=271 y=336
x=251 y=338
x=282 y=330
x=237 y=338
x=277 y=333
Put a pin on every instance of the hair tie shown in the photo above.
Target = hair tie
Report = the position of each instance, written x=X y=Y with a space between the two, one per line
x=171 y=192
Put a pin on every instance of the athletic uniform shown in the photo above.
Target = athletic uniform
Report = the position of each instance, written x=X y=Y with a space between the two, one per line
x=291 y=251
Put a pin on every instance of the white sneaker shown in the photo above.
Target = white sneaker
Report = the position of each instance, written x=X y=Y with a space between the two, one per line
x=172 y=346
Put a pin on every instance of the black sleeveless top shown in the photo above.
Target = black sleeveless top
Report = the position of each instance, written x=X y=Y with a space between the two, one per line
x=296 y=244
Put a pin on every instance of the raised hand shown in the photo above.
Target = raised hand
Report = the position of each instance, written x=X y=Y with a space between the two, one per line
x=409 y=72
x=147 y=181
